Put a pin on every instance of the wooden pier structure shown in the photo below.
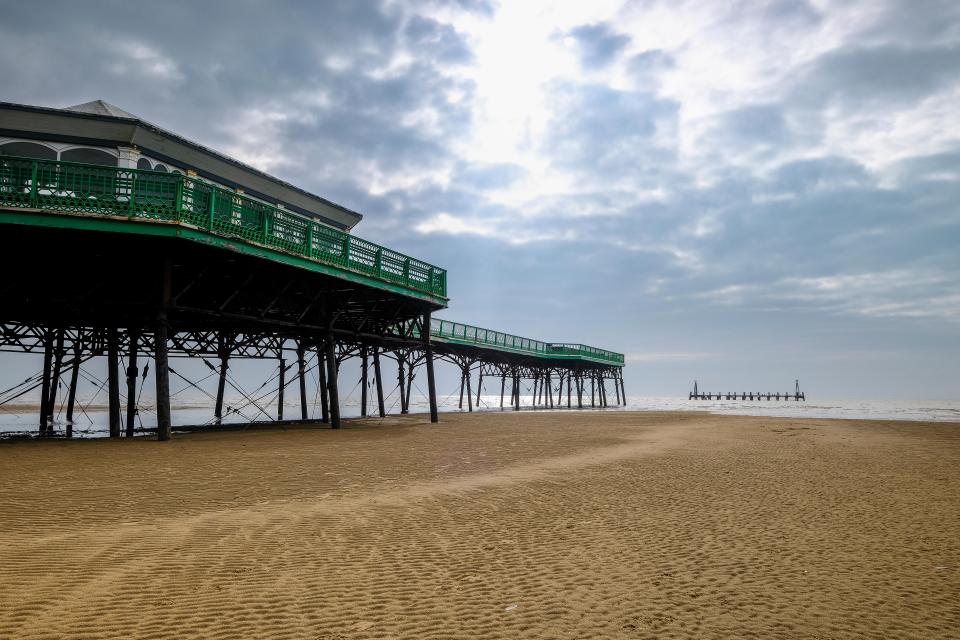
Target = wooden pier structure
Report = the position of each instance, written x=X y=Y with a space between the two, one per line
x=174 y=251
x=796 y=395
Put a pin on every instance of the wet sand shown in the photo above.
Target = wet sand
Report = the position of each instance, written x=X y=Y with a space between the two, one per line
x=537 y=525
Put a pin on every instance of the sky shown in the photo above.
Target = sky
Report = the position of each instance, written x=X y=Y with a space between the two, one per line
x=742 y=193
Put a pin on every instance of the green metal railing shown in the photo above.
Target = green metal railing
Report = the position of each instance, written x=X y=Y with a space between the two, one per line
x=468 y=334
x=155 y=195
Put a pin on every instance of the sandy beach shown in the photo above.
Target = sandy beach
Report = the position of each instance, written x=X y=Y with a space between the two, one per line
x=537 y=525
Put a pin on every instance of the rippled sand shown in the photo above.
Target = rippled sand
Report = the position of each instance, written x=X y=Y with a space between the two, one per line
x=550 y=525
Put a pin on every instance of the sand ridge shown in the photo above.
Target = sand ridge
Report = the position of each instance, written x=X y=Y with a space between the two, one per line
x=565 y=525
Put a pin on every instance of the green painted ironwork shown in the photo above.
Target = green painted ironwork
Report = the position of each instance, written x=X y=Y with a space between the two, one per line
x=75 y=188
x=456 y=332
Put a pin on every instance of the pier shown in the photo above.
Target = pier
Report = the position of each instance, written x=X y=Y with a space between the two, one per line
x=795 y=395
x=141 y=266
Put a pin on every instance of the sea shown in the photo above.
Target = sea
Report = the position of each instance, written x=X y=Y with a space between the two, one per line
x=91 y=421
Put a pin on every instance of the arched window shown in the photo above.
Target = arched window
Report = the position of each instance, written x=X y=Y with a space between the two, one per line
x=89 y=156
x=89 y=182
x=143 y=163
x=17 y=175
x=160 y=167
x=28 y=150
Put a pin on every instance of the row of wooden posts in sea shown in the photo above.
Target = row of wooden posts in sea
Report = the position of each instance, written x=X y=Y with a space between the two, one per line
x=796 y=395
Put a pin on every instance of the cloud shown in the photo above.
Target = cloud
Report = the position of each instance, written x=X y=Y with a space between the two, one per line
x=599 y=44
x=879 y=76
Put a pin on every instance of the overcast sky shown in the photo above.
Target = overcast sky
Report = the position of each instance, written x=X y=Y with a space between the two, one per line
x=739 y=192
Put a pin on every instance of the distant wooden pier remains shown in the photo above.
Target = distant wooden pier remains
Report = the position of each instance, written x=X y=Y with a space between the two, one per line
x=797 y=395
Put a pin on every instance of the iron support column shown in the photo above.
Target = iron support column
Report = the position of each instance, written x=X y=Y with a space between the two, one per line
x=283 y=384
x=548 y=387
x=161 y=367
x=400 y=382
x=72 y=393
x=479 y=385
x=301 y=370
x=45 y=409
x=113 y=382
x=379 y=381
x=363 y=381
x=469 y=390
x=431 y=382
x=322 y=377
x=222 y=377
x=503 y=385
x=55 y=379
x=132 y=372
x=332 y=380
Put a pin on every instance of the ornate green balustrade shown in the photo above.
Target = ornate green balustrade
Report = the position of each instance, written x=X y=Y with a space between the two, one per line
x=467 y=334
x=71 y=187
